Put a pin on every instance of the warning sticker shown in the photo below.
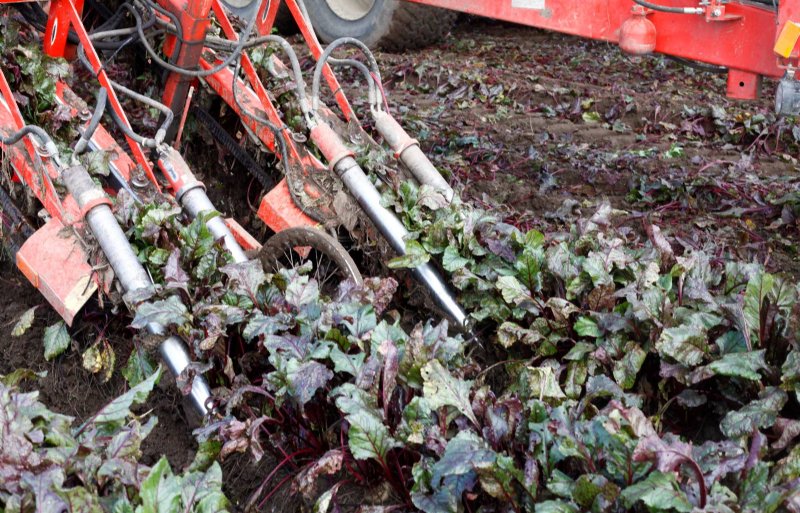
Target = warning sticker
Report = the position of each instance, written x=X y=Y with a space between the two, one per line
x=528 y=4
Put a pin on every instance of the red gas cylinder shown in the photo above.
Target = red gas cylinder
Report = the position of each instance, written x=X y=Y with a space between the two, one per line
x=637 y=36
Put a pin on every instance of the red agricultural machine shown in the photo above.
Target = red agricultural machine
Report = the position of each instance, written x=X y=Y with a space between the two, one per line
x=748 y=39
x=318 y=149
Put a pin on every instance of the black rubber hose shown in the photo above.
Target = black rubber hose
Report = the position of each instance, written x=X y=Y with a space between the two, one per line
x=663 y=8
x=240 y=45
x=44 y=138
x=142 y=141
x=168 y=114
x=99 y=109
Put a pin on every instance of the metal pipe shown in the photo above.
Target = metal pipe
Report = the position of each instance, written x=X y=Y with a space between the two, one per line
x=173 y=352
x=395 y=233
x=408 y=151
x=131 y=274
x=196 y=202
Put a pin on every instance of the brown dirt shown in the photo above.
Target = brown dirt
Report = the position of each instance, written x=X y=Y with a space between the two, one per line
x=68 y=388
x=503 y=109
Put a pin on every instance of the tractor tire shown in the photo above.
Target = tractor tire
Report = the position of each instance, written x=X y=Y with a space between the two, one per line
x=393 y=25
x=284 y=22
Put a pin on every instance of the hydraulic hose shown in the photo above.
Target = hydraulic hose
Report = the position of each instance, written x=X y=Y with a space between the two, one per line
x=326 y=55
x=187 y=72
x=37 y=17
x=99 y=109
x=44 y=138
x=665 y=8
x=168 y=114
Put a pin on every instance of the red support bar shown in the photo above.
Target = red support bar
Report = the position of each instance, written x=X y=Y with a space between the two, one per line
x=316 y=50
x=31 y=169
x=194 y=21
x=247 y=65
x=55 y=36
x=97 y=66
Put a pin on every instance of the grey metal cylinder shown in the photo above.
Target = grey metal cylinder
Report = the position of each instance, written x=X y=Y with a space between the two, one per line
x=393 y=230
x=411 y=155
x=196 y=202
x=130 y=273
x=173 y=352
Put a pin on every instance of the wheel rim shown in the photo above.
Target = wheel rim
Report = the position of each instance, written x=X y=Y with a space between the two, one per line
x=324 y=271
x=351 y=10
x=330 y=263
x=238 y=4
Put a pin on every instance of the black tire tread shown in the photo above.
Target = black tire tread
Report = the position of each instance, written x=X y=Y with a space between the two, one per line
x=415 y=26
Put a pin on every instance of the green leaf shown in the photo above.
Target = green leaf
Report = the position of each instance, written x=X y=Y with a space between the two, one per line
x=626 y=369
x=161 y=491
x=415 y=256
x=369 y=437
x=659 y=492
x=758 y=414
x=556 y=507
x=755 y=295
x=349 y=363
x=166 y=312
x=512 y=290
x=206 y=455
x=245 y=277
x=740 y=365
x=56 y=340
x=685 y=344
x=442 y=389
x=260 y=324
x=592 y=489
x=24 y=322
x=464 y=453
x=138 y=368
x=591 y=117
x=119 y=409
x=452 y=260
x=587 y=327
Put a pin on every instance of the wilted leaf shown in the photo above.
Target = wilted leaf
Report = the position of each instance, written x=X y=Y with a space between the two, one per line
x=100 y=357
x=306 y=379
x=329 y=464
x=24 y=322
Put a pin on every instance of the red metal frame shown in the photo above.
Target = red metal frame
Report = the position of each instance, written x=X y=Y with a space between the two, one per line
x=739 y=36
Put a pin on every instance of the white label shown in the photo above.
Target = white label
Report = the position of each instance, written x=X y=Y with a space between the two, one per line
x=528 y=4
